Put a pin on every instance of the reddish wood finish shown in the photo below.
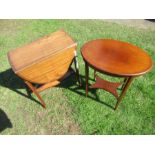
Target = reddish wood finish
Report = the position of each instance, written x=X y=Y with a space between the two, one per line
x=106 y=85
x=127 y=84
x=114 y=58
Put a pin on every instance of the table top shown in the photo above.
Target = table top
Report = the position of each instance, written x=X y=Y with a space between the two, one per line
x=40 y=49
x=116 y=57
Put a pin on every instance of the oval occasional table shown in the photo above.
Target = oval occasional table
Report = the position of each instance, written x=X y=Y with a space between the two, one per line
x=115 y=58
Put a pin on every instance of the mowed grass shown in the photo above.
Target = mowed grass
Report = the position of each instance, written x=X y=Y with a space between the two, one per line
x=68 y=110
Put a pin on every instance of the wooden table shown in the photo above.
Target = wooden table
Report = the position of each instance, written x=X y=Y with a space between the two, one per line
x=45 y=62
x=115 y=58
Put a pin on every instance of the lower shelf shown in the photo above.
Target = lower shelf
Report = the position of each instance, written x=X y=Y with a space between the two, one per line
x=111 y=87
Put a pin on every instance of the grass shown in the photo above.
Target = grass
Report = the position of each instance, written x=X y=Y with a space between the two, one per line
x=68 y=110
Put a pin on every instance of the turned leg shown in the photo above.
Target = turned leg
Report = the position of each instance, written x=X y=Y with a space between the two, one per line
x=87 y=76
x=36 y=93
x=127 y=84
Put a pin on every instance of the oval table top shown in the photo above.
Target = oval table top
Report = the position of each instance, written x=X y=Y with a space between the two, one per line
x=116 y=57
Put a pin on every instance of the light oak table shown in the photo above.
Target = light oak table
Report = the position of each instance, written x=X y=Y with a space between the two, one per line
x=46 y=61
x=115 y=58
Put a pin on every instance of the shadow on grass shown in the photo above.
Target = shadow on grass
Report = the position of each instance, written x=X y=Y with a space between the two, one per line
x=11 y=81
x=71 y=85
x=4 y=121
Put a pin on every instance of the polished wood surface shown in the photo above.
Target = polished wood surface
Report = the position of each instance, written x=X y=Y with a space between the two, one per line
x=116 y=57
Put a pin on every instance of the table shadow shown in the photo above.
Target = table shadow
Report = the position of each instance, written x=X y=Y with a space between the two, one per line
x=70 y=82
x=11 y=81
x=4 y=121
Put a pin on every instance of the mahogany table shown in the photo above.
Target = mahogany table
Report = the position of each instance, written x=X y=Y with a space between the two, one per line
x=115 y=58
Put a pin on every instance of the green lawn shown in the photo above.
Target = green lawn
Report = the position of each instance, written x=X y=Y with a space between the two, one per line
x=68 y=110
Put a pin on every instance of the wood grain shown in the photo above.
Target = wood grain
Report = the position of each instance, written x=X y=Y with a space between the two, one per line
x=44 y=60
x=39 y=50
x=52 y=69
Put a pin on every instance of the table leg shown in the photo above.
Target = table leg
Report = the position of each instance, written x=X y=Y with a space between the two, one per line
x=124 y=82
x=87 y=76
x=36 y=93
x=127 y=84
